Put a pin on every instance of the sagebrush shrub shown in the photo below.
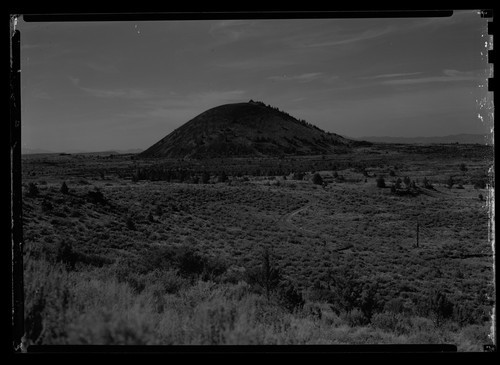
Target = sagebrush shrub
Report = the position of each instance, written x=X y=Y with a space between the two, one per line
x=380 y=182
x=355 y=318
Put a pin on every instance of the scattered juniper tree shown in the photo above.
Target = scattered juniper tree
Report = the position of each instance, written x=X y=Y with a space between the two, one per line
x=427 y=183
x=47 y=205
x=380 y=181
x=33 y=190
x=298 y=176
x=151 y=218
x=369 y=301
x=317 y=179
x=268 y=276
x=96 y=196
x=480 y=182
x=398 y=183
x=205 y=177
x=65 y=254
x=450 y=182
x=290 y=297
x=407 y=181
x=440 y=306
x=222 y=177
x=131 y=224
x=64 y=188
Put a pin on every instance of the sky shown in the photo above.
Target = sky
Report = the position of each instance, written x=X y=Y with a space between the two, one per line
x=98 y=86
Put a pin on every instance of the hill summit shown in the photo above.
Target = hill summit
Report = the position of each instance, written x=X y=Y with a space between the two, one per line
x=246 y=129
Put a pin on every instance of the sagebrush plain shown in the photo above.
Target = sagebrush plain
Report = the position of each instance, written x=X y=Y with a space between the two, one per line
x=390 y=244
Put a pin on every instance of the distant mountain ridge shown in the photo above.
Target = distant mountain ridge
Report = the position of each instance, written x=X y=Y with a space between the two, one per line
x=455 y=138
x=247 y=129
x=33 y=151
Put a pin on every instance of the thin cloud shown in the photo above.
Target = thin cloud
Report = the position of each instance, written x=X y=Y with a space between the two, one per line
x=258 y=63
x=336 y=40
x=117 y=93
x=305 y=77
x=40 y=94
x=447 y=76
x=74 y=80
x=228 y=31
x=121 y=93
x=27 y=47
x=107 y=68
x=388 y=76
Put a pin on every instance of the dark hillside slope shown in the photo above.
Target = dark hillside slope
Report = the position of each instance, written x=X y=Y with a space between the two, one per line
x=247 y=129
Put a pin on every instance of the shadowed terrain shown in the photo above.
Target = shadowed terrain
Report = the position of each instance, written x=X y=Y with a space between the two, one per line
x=247 y=129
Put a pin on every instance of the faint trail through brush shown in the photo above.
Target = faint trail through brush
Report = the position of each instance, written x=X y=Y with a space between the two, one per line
x=286 y=221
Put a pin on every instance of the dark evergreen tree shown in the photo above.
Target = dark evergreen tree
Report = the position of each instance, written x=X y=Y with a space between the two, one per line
x=64 y=188
x=96 y=196
x=427 y=183
x=222 y=177
x=407 y=181
x=450 y=182
x=440 y=306
x=290 y=297
x=380 y=182
x=317 y=179
x=65 y=254
x=267 y=277
x=131 y=224
x=205 y=177
x=33 y=190
x=47 y=205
